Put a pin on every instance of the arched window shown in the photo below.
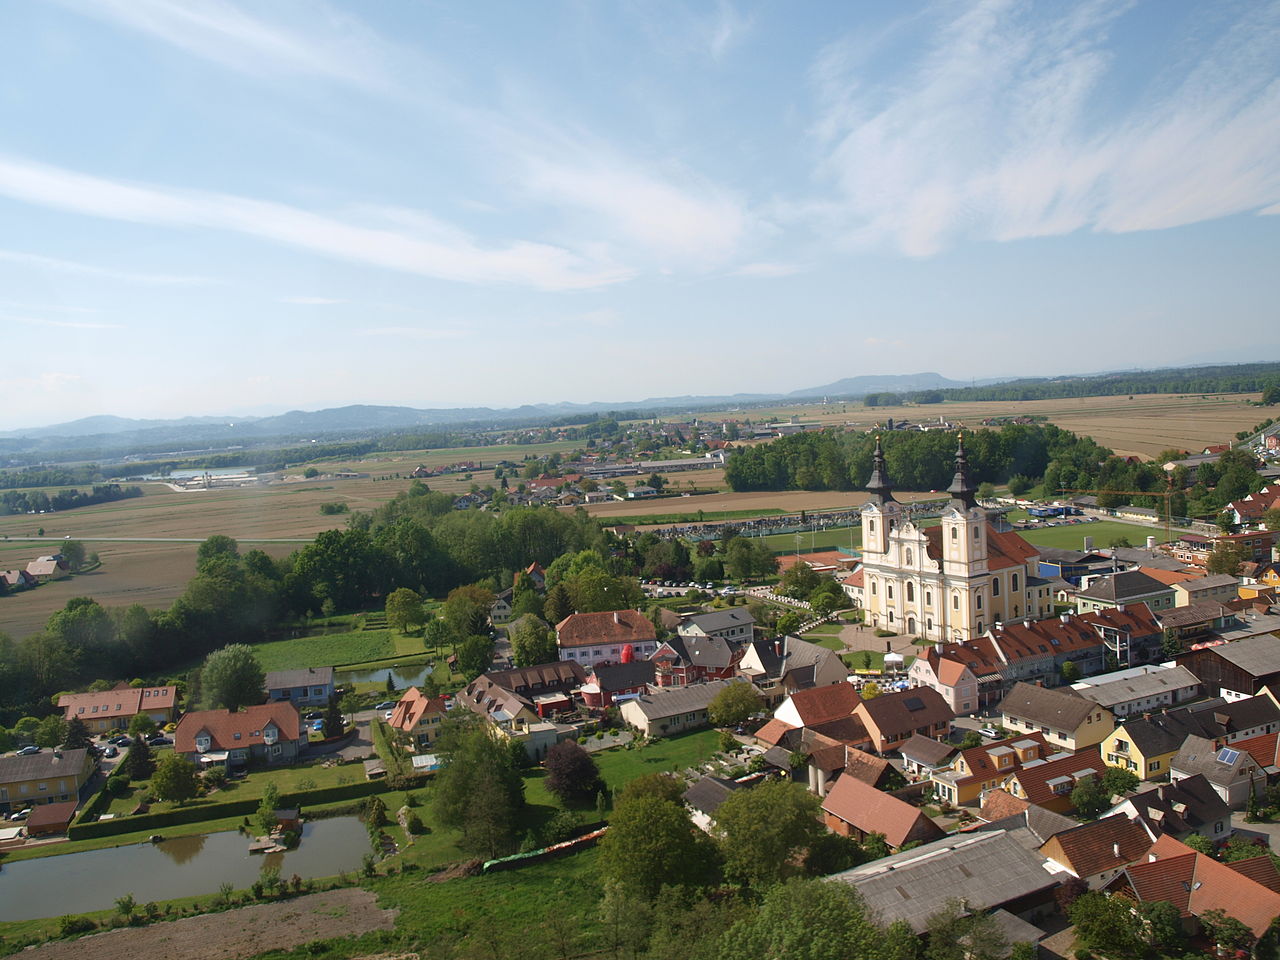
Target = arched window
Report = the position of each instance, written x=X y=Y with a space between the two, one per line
x=1013 y=581
x=976 y=534
x=979 y=626
x=978 y=602
x=889 y=590
x=891 y=616
x=873 y=588
x=908 y=560
x=928 y=598
x=871 y=526
x=911 y=591
x=955 y=601
x=995 y=586
x=954 y=533
x=928 y=623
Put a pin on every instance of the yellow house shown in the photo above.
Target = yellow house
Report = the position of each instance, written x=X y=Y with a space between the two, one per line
x=979 y=769
x=49 y=776
x=1067 y=721
x=1144 y=746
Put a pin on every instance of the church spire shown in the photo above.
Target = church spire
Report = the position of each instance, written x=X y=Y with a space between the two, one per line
x=878 y=486
x=962 y=489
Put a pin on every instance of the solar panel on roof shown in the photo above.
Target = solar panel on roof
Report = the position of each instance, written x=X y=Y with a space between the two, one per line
x=1228 y=756
x=913 y=703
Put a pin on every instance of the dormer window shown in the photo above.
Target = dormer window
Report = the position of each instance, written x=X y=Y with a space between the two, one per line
x=236 y=735
x=203 y=742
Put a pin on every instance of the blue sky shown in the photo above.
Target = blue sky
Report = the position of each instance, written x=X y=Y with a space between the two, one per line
x=218 y=208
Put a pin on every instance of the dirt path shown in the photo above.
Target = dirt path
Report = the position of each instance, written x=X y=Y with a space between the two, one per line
x=243 y=932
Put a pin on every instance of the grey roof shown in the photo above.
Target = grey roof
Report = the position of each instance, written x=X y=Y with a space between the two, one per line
x=670 y=701
x=1145 y=558
x=1058 y=709
x=720 y=619
x=1124 y=587
x=1203 y=611
x=708 y=793
x=1032 y=827
x=621 y=676
x=46 y=763
x=990 y=868
x=1199 y=802
x=1063 y=555
x=1219 y=765
x=1135 y=688
x=1251 y=625
x=1015 y=929
x=306 y=677
x=711 y=652
x=1212 y=581
x=1257 y=656
x=926 y=750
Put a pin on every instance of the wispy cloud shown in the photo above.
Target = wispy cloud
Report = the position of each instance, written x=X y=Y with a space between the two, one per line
x=309 y=301
x=727 y=28
x=448 y=254
x=414 y=333
x=768 y=270
x=90 y=270
x=223 y=33
x=994 y=133
x=67 y=324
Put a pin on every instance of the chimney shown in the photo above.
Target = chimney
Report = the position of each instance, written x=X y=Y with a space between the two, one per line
x=1151 y=543
x=1115 y=850
x=615 y=617
x=777 y=647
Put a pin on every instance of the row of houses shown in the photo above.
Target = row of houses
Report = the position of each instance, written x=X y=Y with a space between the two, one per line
x=40 y=570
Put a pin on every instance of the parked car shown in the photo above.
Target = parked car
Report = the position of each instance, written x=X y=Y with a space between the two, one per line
x=313 y=715
x=28 y=750
x=110 y=751
x=387 y=716
x=122 y=741
x=990 y=733
x=21 y=814
x=159 y=741
x=386 y=705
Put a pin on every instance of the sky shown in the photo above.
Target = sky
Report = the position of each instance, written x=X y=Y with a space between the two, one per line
x=221 y=208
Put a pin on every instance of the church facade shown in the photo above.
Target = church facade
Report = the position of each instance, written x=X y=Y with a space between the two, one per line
x=945 y=583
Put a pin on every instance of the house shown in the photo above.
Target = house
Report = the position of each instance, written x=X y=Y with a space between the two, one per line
x=500 y=609
x=1066 y=720
x=1218 y=587
x=1197 y=622
x=704 y=797
x=537 y=575
x=15 y=580
x=1049 y=784
x=44 y=569
x=419 y=717
x=892 y=718
x=784 y=665
x=733 y=624
x=1238 y=669
x=512 y=715
x=855 y=588
x=1097 y=852
x=591 y=638
x=1037 y=650
x=1196 y=884
x=1232 y=772
x=1251 y=508
x=1140 y=689
x=915 y=885
x=548 y=687
x=268 y=733
x=922 y=756
x=608 y=681
x=856 y=809
x=673 y=710
x=969 y=676
x=1131 y=634
x=308 y=687
x=815 y=705
x=113 y=709
x=1122 y=589
x=1034 y=825
x=50 y=776
x=1179 y=810
x=977 y=770
x=1256 y=544
x=1073 y=565
x=679 y=661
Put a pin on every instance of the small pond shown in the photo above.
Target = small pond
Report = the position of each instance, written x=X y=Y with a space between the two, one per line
x=181 y=867
x=408 y=675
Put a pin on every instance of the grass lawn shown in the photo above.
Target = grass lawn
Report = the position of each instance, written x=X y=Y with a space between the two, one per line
x=1103 y=532
x=854 y=661
x=834 y=538
x=327 y=650
x=671 y=753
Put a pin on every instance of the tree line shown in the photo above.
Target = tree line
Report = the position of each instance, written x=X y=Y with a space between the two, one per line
x=36 y=501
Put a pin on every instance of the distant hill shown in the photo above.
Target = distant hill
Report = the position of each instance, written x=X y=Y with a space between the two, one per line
x=106 y=425
x=888 y=383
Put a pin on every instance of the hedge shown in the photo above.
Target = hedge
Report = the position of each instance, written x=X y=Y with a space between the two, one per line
x=219 y=811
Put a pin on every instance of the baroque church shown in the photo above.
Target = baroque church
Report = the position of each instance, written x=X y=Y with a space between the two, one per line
x=946 y=583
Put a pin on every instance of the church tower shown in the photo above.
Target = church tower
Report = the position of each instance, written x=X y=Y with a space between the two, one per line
x=881 y=511
x=964 y=524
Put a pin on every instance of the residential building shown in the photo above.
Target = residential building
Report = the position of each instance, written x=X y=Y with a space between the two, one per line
x=1179 y=810
x=50 y=776
x=923 y=756
x=1230 y=770
x=993 y=870
x=857 y=809
x=591 y=638
x=952 y=670
x=113 y=709
x=268 y=733
x=1251 y=508
x=785 y=665
x=947 y=582
x=1196 y=884
x=308 y=687
x=1123 y=589
x=419 y=717
x=892 y=718
x=609 y=681
x=1197 y=622
x=548 y=687
x=1131 y=634
x=47 y=819
x=1066 y=720
x=1099 y=851
x=1236 y=670
x=1073 y=565
x=15 y=580
x=679 y=661
x=1140 y=690
x=734 y=624
x=1049 y=784
x=500 y=609
x=704 y=798
x=1217 y=587
x=512 y=715
x=978 y=770
x=670 y=711
x=44 y=569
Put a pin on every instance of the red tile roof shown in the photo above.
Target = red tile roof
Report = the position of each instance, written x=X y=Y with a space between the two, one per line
x=1034 y=780
x=773 y=732
x=864 y=766
x=223 y=725
x=898 y=714
x=999 y=804
x=124 y=701
x=820 y=704
x=1004 y=549
x=1106 y=844
x=1168 y=577
x=982 y=766
x=874 y=811
x=611 y=626
x=413 y=706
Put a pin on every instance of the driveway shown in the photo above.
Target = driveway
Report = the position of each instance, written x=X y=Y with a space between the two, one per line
x=357 y=748
x=1267 y=831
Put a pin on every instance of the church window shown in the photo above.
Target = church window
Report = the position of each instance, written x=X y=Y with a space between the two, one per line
x=979 y=601
x=955 y=601
x=995 y=586
x=889 y=590
x=1013 y=581
x=908 y=559
x=871 y=526
x=928 y=599
x=979 y=626
x=954 y=534
x=928 y=623
x=873 y=588
x=891 y=616
x=976 y=533
x=911 y=592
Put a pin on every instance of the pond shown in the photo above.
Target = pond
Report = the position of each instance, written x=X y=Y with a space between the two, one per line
x=181 y=867
x=404 y=676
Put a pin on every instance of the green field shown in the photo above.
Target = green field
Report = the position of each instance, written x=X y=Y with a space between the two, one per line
x=1103 y=532
x=334 y=649
x=832 y=539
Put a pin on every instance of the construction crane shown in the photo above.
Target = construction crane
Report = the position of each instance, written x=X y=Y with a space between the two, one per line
x=1167 y=495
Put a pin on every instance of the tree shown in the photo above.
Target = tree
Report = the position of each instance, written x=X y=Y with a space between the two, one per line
x=232 y=677
x=1070 y=672
x=788 y=623
x=1116 y=782
x=532 y=642
x=1107 y=925
x=1226 y=558
x=764 y=831
x=571 y=773
x=663 y=786
x=657 y=481
x=986 y=491
x=77 y=736
x=824 y=604
x=437 y=634
x=404 y=609
x=870 y=690
x=558 y=605
x=478 y=789
x=972 y=738
x=51 y=732
x=651 y=842
x=1199 y=843
x=1226 y=931
x=1163 y=927
x=475 y=654
x=1271 y=519
x=216 y=549
x=73 y=552
x=138 y=763
x=734 y=704
x=1170 y=642
x=267 y=808
x=957 y=934
x=333 y=723
x=1089 y=797
x=174 y=779
x=141 y=725
x=812 y=920
x=799 y=581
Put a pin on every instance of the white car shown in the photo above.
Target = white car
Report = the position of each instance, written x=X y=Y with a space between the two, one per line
x=21 y=814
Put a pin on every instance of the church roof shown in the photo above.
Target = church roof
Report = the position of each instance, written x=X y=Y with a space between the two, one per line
x=1004 y=549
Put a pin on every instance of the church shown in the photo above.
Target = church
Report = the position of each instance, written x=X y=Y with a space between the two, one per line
x=946 y=583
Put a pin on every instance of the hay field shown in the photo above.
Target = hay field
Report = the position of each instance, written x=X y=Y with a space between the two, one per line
x=788 y=501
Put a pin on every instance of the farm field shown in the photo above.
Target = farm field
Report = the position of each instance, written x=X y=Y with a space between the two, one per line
x=763 y=503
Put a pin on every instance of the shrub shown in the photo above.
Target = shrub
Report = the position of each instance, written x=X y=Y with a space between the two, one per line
x=414 y=824
x=71 y=925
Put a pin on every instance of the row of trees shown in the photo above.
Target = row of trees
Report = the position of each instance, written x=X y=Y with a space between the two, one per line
x=35 y=501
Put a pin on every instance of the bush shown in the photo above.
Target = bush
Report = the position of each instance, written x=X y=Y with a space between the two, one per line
x=117 y=786
x=71 y=925
x=413 y=823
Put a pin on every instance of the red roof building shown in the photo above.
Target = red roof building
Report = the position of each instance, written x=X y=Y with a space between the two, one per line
x=591 y=638
x=857 y=809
